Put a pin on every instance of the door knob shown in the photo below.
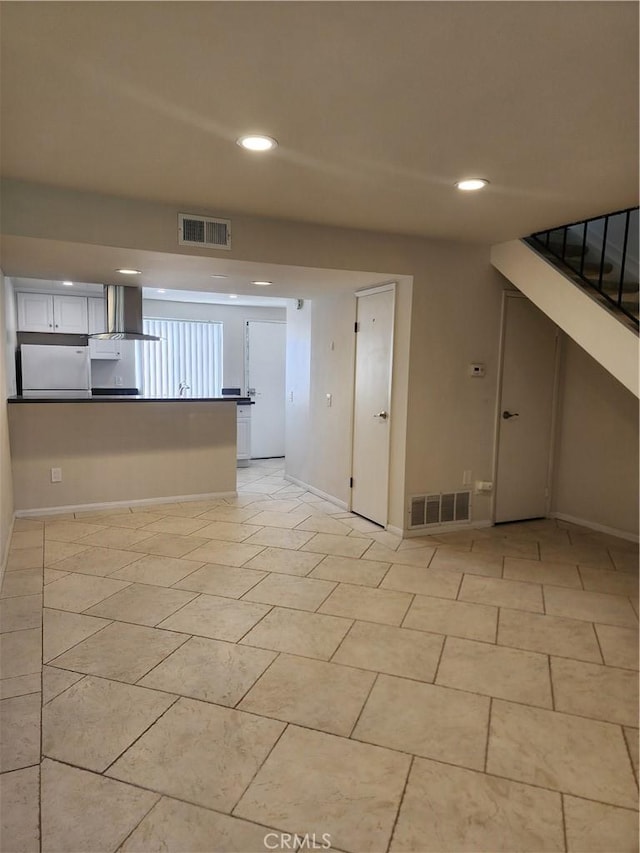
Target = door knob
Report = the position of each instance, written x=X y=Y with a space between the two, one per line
x=382 y=415
x=506 y=415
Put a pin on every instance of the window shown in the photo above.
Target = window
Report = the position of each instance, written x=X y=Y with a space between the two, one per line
x=188 y=356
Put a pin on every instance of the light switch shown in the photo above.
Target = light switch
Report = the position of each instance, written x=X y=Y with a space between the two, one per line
x=329 y=400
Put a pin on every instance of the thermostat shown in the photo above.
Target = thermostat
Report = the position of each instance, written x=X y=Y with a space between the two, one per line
x=476 y=370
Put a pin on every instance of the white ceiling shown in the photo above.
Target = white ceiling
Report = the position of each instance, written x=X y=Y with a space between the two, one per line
x=378 y=108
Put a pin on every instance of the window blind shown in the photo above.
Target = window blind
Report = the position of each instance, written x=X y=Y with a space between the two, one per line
x=189 y=353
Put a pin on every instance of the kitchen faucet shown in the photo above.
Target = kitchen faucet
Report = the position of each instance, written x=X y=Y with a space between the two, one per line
x=183 y=387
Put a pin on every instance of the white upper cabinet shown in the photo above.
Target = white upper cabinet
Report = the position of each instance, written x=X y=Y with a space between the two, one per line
x=97 y=315
x=42 y=312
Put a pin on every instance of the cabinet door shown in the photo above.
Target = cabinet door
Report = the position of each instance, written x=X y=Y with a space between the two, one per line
x=243 y=450
x=35 y=312
x=97 y=315
x=103 y=350
x=70 y=314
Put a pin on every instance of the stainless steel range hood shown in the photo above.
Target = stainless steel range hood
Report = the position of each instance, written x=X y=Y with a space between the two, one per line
x=124 y=315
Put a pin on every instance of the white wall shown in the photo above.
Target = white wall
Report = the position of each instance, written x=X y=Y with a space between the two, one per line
x=596 y=467
x=232 y=318
x=7 y=388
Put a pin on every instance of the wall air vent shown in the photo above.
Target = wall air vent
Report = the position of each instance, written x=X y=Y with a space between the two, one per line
x=440 y=508
x=204 y=231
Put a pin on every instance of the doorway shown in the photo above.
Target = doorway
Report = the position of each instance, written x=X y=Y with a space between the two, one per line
x=372 y=397
x=265 y=383
x=529 y=359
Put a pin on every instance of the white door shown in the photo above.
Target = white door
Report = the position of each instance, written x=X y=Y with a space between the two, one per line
x=525 y=418
x=372 y=418
x=265 y=379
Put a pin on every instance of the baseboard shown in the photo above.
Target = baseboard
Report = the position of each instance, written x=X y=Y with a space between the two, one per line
x=7 y=545
x=60 y=510
x=600 y=528
x=342 y=504
x=453 y=527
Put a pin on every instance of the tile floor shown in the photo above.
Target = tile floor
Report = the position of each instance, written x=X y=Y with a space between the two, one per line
x=223 y=675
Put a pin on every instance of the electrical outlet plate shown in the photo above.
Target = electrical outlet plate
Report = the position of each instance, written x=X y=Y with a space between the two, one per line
x=56 y=475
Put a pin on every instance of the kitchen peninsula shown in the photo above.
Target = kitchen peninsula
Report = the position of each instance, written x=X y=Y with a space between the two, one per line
x=120 y=450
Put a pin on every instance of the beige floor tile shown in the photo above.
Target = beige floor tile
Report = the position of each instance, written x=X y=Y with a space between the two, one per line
x=582 y=554
x=224 y=512
x=439 y=583
x=175 y=827
x=370 y=605
x=157 y=570
x=176 y=524
x=458 y=618
x=280 y=537
x=21 y=525
x=95 y=720
x=506 y=547
x=631 y=737
x=286 y=520
x=228 y=581
x=474 y=563
x=324 y=524
x=20 y=613
x=616 y=583
x=114 y=537
x=290 y=688
x=590 y=606
x=349 y=790
x=213 y=753
x=350 y=570
x=619 y=645
x=82 y=811
x=20 y=812
x=225 y=553
x=96 y=561
x=625 y=561
x=169 y=545
x=572 y=754
x=284 y=561
x=24 y=582
x=142 y=603
x=475 y=812
x=55 y=551
x=216 y=617
x=228 y=531
x=535 y=571
x=133 y=520
x=243 y=499
x=70 y=531
x=186 y=509
x=121 y=651
x=596 y=828
x=26 y=539
x=337 y=546
x=51 y=575
x=496 y=671
x=596 y=691
x=434 y=722
x=20 y=731
x=77 y=592
x=211 y=670
x=101 y=515
x=62 y=630
x=25 y=558
x=308 y=634
x=56 y=681
x=19 y=685
x=409 y=556
x=553 y=635
x=290 y=591
x=390 y=540
x=395 y=651
x=20 y=652
x=278 y=505
x=503 y=593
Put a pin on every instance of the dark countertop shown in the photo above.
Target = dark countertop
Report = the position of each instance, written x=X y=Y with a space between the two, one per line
x=245 y=401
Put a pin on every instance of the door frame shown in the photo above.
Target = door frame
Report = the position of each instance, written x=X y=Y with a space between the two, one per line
x=555 y=401
x=246 y=362
x=368 y=291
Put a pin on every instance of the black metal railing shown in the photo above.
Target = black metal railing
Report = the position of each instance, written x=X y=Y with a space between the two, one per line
x=602 y=253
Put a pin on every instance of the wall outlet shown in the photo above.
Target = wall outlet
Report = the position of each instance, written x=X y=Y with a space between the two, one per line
x=484 y=487
x=56 y=475
x=329 y=400
x=118 y=381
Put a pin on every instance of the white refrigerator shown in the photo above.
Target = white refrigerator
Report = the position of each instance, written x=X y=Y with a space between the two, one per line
x=55 y=371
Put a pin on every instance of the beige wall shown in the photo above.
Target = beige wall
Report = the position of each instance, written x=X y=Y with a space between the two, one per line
x=120 y=451
x=596 y=468
x=7 y=387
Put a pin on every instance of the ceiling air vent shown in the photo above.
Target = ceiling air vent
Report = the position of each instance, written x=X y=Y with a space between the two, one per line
x=440 y=508
x=204 y=231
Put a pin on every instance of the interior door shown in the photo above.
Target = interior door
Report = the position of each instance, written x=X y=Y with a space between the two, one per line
x=372 y=416
x=265 y=377
x=525 y=420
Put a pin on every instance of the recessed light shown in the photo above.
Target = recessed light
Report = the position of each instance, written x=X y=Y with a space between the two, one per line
x=470 y=184
x=257 y=142
x=233 y=296
x=218 y=275
x=130 y=272
x=262 y=283
x=67 y=283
